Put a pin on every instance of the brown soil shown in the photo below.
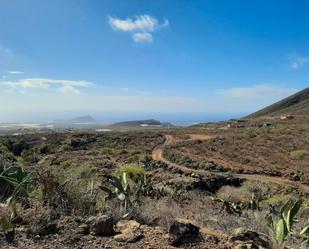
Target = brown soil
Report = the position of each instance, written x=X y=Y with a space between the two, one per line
x=153 y=237
x=193 y=202
x=157 y=154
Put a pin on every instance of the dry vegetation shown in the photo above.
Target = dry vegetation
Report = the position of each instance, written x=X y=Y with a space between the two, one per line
x=76 y=189
x=281 y=150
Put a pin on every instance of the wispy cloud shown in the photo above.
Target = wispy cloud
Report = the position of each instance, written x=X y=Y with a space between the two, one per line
x=256 y=92
x=298 y=61
x=141 y=26
x=237 y=101
x=65 y=86
x=249 y=98
x=15 y=72
x=145 y=23
x=142 y=37
x=69 y=89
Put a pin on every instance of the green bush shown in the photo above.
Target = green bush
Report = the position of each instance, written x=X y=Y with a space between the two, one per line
x=44 y=149
x=64 y=148
x=300 y=154
x=5 y=154
x=250 y=134
x=133 y=171
x=282 y=130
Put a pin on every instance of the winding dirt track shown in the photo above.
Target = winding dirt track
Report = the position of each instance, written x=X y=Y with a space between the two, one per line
x=157 y=154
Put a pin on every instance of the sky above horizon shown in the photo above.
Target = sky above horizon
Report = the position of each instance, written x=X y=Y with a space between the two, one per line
x=171 y=60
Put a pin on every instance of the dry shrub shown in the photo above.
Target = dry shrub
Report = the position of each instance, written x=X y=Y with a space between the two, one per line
x=37 y=213
x=3 y=211
x=233 y=194
x=300 y=154
x=68 y=190
x=158 y=212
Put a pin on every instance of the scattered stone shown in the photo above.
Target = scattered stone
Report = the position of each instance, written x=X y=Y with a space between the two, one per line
x=212 y=239
x=184 y=232
x=294 y=175
x=101 y=225
x=240 y=246
x=129 y=230
x=129 y=237
x=127 y=226
x=246 y=239
x=44 y=229
x=83 y=229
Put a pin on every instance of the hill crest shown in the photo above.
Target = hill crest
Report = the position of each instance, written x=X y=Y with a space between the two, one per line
x=296 y=104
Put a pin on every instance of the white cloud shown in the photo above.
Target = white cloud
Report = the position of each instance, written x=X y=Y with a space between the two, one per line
x=298 y=62
x=142 y=37
x=64 y=86
x=256 y=92
x=124 y=89
x=69 y=89
x=140 y=23
x=15 y=72
x=141 y=26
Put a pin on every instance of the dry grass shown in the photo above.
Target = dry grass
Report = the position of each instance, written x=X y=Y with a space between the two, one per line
x=300 y=154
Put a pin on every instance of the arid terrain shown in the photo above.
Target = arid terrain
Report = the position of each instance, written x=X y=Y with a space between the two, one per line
x=234 y=184
x=222 y=181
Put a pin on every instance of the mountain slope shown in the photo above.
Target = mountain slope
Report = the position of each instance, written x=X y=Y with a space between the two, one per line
x=296 y=104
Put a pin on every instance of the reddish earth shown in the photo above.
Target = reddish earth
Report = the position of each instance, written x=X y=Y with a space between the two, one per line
x=157 y=154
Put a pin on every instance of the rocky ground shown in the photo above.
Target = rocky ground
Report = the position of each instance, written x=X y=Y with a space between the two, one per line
x=207 y=196
x=102 y=232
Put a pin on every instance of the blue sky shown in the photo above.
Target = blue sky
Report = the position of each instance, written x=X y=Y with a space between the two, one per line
x=181 y=60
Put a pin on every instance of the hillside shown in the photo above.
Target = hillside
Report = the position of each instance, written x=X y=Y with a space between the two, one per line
x=296 y=104
x=140 y=123
x=185 y=187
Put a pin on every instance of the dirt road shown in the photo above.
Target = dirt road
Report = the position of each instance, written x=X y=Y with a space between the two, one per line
x=157 y=154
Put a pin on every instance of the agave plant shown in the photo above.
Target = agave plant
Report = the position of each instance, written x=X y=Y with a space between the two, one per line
x=13 y=181
x=284 y=226
x=121 y=190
